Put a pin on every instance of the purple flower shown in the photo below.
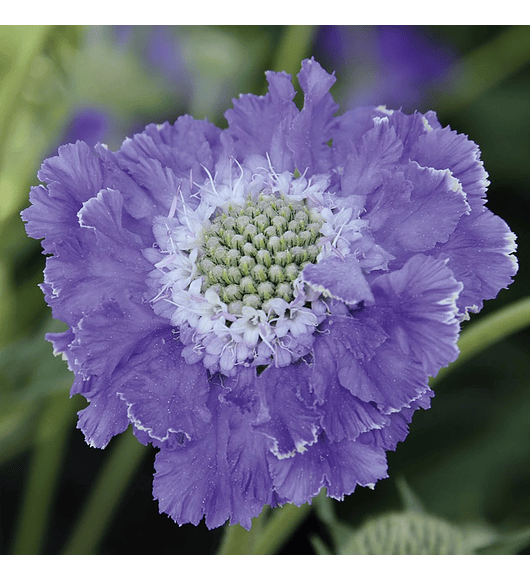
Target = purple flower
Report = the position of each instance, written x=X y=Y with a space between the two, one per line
x=395 y=65
x=158 y=48
x=265 y=303
x=89 y=124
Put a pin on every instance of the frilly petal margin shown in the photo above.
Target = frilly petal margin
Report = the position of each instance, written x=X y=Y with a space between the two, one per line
x=312 y=128
x=419 y=310
x=282 y=415
x=339 y=278
x=163 y=394
x=480 y=254
x=222 y=475
x=429 y=216
x=343 y=415
x=376 y=372
x=73 y=176
x=340 y=467
x=446 y=149
x=104 y=418
x=184 y=147
x=397 y=427
x=254 y=121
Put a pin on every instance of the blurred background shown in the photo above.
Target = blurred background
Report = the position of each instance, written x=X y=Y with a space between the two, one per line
x=467 y=460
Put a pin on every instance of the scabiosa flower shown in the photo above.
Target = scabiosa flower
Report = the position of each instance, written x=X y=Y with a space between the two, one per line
x=265 y=303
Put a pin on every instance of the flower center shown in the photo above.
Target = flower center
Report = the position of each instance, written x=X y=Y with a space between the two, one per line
x=227 y=271
x=253 y=253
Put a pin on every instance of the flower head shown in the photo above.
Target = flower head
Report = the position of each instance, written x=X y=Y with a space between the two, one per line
x=265 y=303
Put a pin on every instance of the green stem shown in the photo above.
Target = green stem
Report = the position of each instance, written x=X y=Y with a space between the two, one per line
x=488 y=331
x=265 y=537
x=238 y=541
x=50 y=445
x=283 y=523
x=294 y=47
x=106 y=494
x=33 y=38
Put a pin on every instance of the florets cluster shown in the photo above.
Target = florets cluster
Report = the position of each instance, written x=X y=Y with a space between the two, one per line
x=266 y=303
x=254 y=253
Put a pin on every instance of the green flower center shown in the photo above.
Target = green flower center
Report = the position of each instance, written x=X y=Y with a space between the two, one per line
x=253 y=253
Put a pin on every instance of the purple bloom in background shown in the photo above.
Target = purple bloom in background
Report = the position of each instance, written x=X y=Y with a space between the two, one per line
x=88 y=124
x=265 y=303
x=153 y=48
x=394 y=65
x=159 y=48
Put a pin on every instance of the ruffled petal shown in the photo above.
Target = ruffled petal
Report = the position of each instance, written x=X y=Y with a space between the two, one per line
x=339 y=278
x=429 y=216
x=408 y=129
x=49 y=218
x=377 y=153
x=159 y=183
x=110 y=334
x=138 y=202
x=339 y=467
x=480 y=254
x=103 y=418
x=283 y=416
x=313 y=126
x=74 y=176
x=349 y=130
x=388 y=379
x=420 y=312
x=397 y=427
x=369 y=364
x=344 y=416
x=162 y=392
x=184 y=147
x=222 y=475
x=255 y=122
x=446 y=149
x=102 y=262
x=104 y=215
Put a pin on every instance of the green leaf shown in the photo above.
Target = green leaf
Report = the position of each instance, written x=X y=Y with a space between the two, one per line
x=508 y=544
x=406 y=533
x=325 y=512
x=29 y=375
x=319 y=546
x=483 y=68
x=7 y=304
x=34 y=99
x=51 y=437
x=411 y=502
x=488 y=331
x=17 y=424
x=115 y=476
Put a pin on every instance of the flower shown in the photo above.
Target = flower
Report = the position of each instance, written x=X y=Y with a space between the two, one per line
x=265 y=303
x=393 y=64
